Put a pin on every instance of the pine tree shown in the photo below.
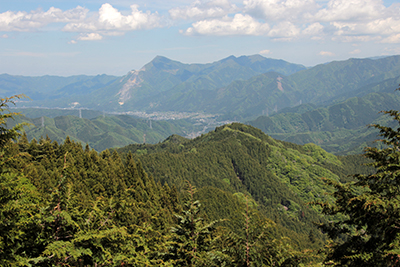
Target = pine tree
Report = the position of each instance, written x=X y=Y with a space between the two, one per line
x=73 y=235
x=369 y=208
x=254 y=245
x=193 y=239
x=19 y=200
x=5 y=133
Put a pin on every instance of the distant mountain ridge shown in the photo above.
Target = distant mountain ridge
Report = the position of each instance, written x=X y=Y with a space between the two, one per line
x=158 y=76
x=102 y=132
x=339 y=128
x=235 y=88
x=44 y=87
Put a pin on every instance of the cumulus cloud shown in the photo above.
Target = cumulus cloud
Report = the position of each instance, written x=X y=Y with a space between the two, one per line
x=393 y=39
x=265 y=52
x=326 y=53
x=240 y=24
x=355 y=51
x=90 y=37
x=203 y=10
x=314 y=29
x=278 y=10
x=386 y=26
x=351 y=10
x=24 y=21
x=110 y=19
x=284 y=30
x=391 y=51
x=341 y=20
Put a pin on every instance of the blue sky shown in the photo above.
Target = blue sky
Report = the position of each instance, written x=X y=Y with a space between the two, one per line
x=65 y=38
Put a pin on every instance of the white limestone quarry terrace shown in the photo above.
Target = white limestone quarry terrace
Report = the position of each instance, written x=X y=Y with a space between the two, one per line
x=134 y=81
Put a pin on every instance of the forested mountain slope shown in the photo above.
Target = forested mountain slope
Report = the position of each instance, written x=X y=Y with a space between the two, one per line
x=338 y=128
x=237 y=88
x=282 y=177
x=156 y=77
x=102 y=132
x=68 y=205
x=267 y=93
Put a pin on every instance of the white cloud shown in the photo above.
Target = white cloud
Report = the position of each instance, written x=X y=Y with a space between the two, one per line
x=314 y=29
x=73 y=42
x=284 y=30
x=351 y=10
x=238 y=25
x=280 y=10
x=4 y=36
x=356 y=39
x=326 y=53
x=110 y=19
x=265 y=52
x=90 y=37
x=355 y=51
x=24 y=21
x=394 y=39
x=284 y=20
x=391 y=51
x=203 y=10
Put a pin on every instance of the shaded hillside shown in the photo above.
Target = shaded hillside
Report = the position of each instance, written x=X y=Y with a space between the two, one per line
x=326 y=81
x=103 y=132
x=282 y=177
x=339 y=128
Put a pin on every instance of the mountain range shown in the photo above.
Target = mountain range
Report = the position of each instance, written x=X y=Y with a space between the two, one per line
x=328 y=104
x=102 y=132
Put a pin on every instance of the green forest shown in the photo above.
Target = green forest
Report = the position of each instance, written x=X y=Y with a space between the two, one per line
x=231 y=197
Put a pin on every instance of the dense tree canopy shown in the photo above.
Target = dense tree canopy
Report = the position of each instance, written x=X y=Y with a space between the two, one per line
x=64 y=205
x=369 y=232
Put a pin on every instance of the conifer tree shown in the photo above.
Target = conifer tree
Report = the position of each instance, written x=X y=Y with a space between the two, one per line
x=254 y=245
x=370 y=208
x=193 y=239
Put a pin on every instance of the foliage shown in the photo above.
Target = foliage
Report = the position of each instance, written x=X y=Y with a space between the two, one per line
x=338 y=128
x=193 y=240
x=79 y=207
x=18 y=200
x=280 y=176
x=255 y=246
x=8 y=133
x=102 y=132
x=19 y=206
x=368 y=233
x=64 y=204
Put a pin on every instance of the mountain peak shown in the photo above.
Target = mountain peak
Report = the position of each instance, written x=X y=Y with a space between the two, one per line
x=161 y=58
x=232 y=57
